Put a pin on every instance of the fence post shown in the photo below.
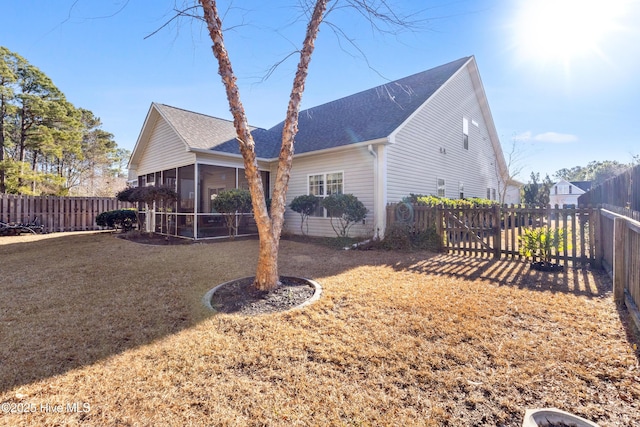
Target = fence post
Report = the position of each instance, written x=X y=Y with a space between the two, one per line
x=596 y=223
x=439 y=229
x=619 y=246
x=497 y=231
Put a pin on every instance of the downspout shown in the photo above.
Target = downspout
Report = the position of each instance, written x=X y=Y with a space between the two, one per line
x=376 y=214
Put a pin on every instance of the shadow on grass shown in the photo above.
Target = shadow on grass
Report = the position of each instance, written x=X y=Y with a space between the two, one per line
x=632 y=332
x=73 y=300
x=513 y=273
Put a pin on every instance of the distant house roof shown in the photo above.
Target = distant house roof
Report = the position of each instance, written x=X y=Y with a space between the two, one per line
x=583 y=185
x=365 y=116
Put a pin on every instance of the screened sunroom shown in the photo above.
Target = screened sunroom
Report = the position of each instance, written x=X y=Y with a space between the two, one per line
x=192 y=215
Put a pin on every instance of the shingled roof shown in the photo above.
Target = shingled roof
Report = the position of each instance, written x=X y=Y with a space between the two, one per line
x=372 y=114
x=365 y=116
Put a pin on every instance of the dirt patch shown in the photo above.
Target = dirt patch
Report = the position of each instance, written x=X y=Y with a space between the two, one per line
x=240 y=297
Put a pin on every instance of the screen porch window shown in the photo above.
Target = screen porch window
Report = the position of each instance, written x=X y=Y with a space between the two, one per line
x=323 y=185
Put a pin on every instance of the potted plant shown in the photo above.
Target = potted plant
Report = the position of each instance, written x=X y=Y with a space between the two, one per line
x=539 y=244
x=551 y=417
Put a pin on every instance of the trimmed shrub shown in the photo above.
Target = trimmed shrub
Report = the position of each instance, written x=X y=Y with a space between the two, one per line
x=420 y=199
x=305 y=205
x=163 y=196
x=121 y=218
x=231 y=202
x=345 y=210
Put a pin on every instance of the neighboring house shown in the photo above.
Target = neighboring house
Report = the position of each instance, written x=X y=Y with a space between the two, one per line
x=565 y=193
x=429 y=133
x=513 y=194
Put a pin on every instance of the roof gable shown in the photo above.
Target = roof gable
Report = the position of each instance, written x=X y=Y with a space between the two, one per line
x=368 y=115
x=365 y=116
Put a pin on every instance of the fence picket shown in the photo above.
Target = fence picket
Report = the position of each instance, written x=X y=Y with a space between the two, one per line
x=482 y=231
x=57 y=213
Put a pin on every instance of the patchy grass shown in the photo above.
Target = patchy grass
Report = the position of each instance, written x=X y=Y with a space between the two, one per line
x=396 y=339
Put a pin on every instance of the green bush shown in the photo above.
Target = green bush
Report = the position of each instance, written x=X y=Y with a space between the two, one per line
x=540 y=242
x=345 y=210
x=420 y=199
x=163 y=196
x=121 y=218
x=305 y=205
x=231 y=202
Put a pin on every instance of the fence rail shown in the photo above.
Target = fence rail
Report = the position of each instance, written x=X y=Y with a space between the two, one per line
x=57 y=213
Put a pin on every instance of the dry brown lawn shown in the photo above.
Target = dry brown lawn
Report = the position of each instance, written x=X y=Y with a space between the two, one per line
x=397 y=339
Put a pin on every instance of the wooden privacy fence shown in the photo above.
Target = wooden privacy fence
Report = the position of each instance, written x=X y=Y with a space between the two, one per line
x=496 y=230
x=620 y=235
x=622 y=190
x=57 y=213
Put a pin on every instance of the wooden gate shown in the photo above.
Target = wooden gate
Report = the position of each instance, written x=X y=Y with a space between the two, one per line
x=496 y=230
x=471 y=231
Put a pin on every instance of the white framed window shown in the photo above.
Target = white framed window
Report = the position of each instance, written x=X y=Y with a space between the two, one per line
x=488 y=194
x=493 y=194
x=461 y=189
x=323 y=185
x=440 y=186
x=465 y=133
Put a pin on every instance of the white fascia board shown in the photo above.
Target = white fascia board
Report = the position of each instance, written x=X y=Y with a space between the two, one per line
x=142 y=136
x=307 y=154
x=223 y=154
x=153 y=115
x=342 y=148
x=486 y=112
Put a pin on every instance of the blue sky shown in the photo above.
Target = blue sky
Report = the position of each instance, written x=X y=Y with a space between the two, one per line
x=561 y=76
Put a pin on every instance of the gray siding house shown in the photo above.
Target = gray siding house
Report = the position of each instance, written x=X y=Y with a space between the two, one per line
x=429 y=133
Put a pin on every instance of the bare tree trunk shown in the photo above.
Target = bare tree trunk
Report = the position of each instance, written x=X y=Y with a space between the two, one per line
x=3 y=113
x=269 y=229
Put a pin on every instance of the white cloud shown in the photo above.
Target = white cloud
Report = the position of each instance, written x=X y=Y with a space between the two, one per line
x=548 y=137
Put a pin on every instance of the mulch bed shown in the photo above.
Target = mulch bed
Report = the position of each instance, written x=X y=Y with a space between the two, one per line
x=240 y=297
x=153 y=238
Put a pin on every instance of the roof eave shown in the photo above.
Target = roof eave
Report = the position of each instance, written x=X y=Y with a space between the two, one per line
x=378 y=141
x=224 y=154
